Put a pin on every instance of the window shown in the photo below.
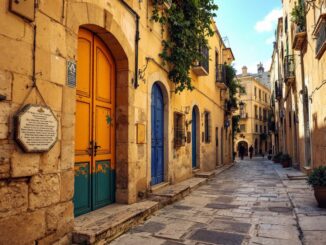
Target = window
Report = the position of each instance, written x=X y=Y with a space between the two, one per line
x=179 y=130
x=243 y=128
x=261 y=128
x=207 y=122
x=265 y=115
x=265 y=130
x=255 y=92
x=260 y=115
x=266 y=98
x=256 y=128
x=256 y=112
x=259 y=94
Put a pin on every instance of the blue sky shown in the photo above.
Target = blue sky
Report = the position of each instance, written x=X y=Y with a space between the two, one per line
x=249 y=27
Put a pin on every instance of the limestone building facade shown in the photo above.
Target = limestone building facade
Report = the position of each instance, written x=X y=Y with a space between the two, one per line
x=122 y=128
x=254 y=109
x=299 y=73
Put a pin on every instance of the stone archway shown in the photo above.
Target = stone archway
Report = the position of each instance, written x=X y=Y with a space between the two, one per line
x=106 y=26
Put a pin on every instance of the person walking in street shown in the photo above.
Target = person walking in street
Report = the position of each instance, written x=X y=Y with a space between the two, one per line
x=241 y=151
x=251 y=151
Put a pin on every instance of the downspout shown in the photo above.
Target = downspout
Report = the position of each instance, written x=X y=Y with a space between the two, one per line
x=137 y=38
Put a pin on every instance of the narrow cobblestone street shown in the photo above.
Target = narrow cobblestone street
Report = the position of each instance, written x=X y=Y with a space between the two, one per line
x=252 y=203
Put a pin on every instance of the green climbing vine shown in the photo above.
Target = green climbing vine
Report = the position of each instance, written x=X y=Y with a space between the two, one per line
x=188 y=24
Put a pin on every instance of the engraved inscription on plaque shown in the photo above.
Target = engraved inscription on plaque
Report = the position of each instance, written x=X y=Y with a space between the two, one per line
x=36 y=128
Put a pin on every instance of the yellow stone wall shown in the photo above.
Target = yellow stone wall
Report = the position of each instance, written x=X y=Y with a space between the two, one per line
x=292 y=140
x=37 y=189
x=250 y=100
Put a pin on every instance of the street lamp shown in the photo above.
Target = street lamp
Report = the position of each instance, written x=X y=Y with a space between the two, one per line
x=241 y=105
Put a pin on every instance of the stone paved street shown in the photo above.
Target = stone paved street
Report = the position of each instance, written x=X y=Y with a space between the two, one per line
x=252 y=203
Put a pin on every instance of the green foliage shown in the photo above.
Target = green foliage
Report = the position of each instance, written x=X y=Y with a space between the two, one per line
x=286 y=157
x=298 y=16
x=318 y=177
x=234 y=88
x=278 y=157
x=235 y=125
x=188 y=25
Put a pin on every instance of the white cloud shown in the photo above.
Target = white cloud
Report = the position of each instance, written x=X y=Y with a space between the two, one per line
x=269 y=22
x=270 y=40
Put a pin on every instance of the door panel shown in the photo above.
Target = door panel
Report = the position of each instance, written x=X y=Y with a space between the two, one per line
x=194 y=139
x=157 y=110
x=95 y=127
x=82 y=188
x=84 y=65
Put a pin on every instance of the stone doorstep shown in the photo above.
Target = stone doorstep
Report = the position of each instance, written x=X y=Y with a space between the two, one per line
x=156 y=188
x=211 y=174
x=110 y=222
x=179 y=190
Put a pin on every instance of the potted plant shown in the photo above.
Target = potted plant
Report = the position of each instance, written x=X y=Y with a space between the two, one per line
x=277 y=157
x=286 y=160
x=317 y=179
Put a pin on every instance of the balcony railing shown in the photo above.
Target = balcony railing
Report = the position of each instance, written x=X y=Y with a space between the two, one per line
x=278 y=92
x=220 y=75
x=321 y=36
x=289 y=68
x=202 y=67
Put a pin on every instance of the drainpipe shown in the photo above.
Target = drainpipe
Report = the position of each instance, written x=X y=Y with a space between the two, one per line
x=137 y=38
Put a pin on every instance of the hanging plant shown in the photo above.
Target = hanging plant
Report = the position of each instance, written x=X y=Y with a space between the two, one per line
x=188 y=24
x=298 y=16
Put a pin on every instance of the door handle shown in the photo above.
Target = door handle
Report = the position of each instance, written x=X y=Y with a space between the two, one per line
x=96 y=146
x=90 y=149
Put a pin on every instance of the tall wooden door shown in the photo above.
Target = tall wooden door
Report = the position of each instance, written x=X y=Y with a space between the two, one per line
x=95 y=125
x=157 y=121
x=194 y=138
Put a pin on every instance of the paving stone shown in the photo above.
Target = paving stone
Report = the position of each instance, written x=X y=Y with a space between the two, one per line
x=221 y=206
x=230 y=226
x=217 y=237
x=150 y=227
x=280 y=209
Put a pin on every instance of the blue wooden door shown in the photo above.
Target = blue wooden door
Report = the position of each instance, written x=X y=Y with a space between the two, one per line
x=194 y=138
x=157 y=107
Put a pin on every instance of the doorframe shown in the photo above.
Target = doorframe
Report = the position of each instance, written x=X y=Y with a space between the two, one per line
x=158 y=78
x=119 y=54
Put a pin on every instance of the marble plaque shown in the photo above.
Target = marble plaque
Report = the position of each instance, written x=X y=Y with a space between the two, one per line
x=36 y=128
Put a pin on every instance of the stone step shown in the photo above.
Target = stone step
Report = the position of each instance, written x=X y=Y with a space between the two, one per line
x=106 y=224
x=173 y=193
x=211 y=174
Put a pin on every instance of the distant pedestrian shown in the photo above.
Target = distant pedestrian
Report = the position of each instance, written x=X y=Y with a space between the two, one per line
x=241 y=151
x=251 y=151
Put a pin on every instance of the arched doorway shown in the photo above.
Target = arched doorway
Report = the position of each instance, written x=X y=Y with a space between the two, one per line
x=195 y=137
x=245 y=145
x=95 y=125
x=157 y=135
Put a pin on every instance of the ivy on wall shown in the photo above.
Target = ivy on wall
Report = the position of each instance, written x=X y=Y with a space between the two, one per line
x=188 y=24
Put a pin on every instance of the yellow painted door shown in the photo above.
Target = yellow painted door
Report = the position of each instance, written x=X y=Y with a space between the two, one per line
x=95 y=125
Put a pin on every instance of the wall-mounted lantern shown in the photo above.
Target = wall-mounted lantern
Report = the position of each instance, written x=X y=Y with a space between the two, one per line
x=241 y=105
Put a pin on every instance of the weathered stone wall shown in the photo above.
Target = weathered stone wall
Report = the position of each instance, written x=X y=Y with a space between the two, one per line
x=313 y=77
x=36 y=190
